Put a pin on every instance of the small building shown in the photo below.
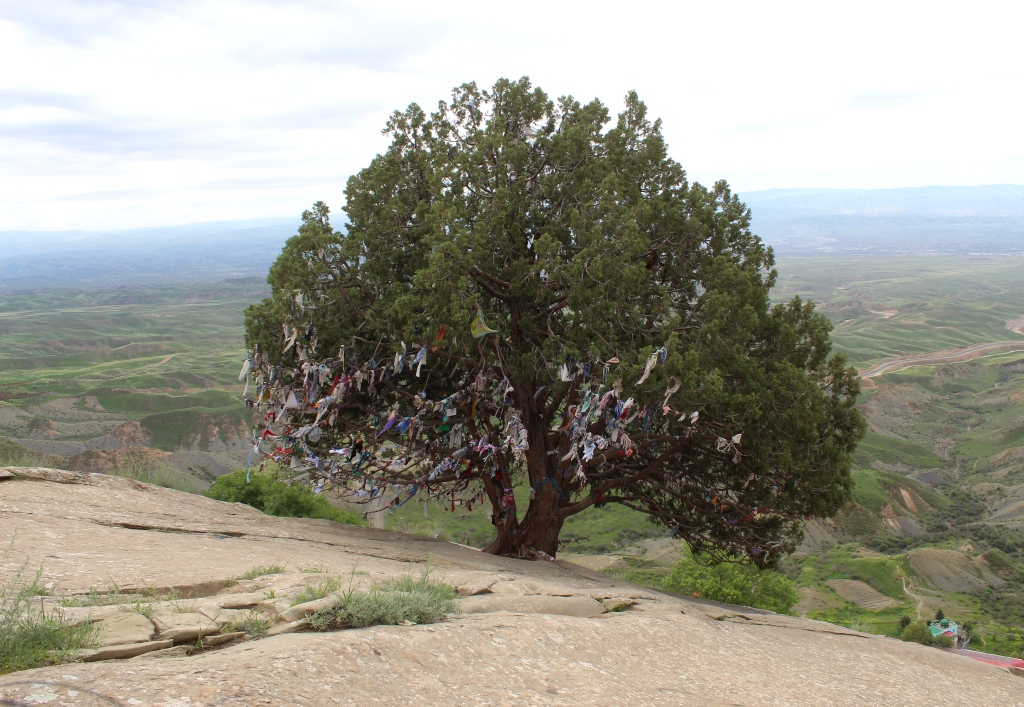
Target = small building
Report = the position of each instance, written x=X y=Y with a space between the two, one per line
x=945 y=627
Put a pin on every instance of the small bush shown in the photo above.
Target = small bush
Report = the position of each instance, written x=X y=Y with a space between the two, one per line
x=30 y=636
x=416 y=600
x=261 y=570
x=917 y=632
x=943 y=641
x=732 y=583
x=273 y=497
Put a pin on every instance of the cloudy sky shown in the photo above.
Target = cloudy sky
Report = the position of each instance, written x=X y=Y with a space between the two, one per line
x=124 y=113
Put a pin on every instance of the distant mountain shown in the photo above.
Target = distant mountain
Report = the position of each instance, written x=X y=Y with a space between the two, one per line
x=984 y=219
x=198 y=252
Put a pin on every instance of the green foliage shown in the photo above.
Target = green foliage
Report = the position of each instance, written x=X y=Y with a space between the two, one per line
x=903 y=623
x=943 y=641
x=939 y=615
x=732 y=583
x=161 y=476
x=317 y=590
x=274 y=497
x=251 y=623
x=418 y=600
x=12 y=454
x=261 y=570
x=31 y=636
x=917 y=632
x=581 y=242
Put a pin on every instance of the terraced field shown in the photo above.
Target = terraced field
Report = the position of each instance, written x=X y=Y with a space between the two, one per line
x=861 y=594
x=886 y=307
x=88 y=375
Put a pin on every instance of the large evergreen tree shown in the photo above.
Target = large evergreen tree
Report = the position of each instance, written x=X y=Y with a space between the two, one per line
x=528 y=294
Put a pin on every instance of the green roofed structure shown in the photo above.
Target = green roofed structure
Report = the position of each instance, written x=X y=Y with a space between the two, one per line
x=945 y=627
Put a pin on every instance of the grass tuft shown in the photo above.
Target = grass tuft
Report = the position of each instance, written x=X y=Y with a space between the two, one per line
x=262 y=570
x=252 y=623
x=317 y=590
x=30 y=636
x=408 y=599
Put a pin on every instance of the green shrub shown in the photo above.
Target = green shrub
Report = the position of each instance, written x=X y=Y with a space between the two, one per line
x=732 y=583
x=30 y=636
x=416 y=600
x=317 y=590
x=917 y=632
x=273 y=497
x=943 y=641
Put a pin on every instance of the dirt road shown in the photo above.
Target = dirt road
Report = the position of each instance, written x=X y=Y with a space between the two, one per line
x=955 y=356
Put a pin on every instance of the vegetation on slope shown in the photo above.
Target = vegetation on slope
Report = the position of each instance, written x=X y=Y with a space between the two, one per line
x=268 y=494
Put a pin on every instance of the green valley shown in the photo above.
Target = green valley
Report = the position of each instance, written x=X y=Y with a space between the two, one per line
x=145 y=380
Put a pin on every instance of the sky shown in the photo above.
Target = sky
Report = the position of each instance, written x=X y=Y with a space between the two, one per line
x=131 y=113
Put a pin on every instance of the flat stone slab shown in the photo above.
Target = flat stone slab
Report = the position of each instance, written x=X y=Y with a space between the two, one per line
x=126 y=651
x=124 y=627
x=249 y=600
x=182 y=627
x=301 y=611
x=584 y=607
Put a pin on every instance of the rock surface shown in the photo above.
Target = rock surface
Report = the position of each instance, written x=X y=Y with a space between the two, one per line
x=629 y=645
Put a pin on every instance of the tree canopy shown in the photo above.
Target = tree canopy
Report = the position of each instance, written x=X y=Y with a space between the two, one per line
x=529 y=292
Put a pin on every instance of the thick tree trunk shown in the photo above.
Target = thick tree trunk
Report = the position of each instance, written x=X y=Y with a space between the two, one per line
x=539 y=529
x=542 y=523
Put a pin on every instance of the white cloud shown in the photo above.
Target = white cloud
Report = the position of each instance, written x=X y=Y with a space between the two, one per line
x=116 y=114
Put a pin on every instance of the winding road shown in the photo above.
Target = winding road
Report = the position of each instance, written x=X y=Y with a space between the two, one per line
x=955 y=356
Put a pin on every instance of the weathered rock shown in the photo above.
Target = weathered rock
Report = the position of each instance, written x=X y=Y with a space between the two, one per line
x=248 y=600
x=618 y=604
x=291 y=627
x=480 y=586
x=301 y=611
x=124 y=627
x=89 y=531
x=182 y=627
x=533 y=604
x=129 y=650
x=172 y=652
x=211 y=641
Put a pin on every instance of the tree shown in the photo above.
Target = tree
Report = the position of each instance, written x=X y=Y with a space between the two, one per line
x=263 y=491
x=917 y=632
x=526 y=294
x=732 y=583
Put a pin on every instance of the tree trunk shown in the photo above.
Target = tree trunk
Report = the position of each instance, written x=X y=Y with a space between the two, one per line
x=542 y=524
x=538 y=531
